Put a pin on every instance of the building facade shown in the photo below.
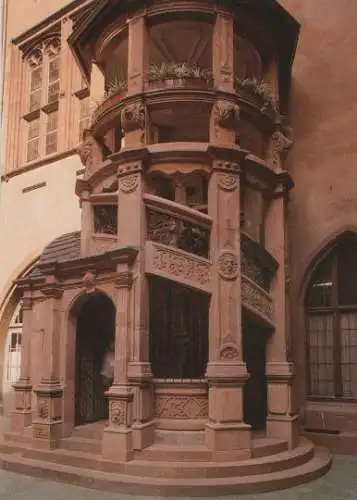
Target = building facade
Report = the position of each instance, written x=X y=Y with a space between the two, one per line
x=167 y=188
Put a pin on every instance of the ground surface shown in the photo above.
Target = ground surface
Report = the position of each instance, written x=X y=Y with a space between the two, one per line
x=339 y=484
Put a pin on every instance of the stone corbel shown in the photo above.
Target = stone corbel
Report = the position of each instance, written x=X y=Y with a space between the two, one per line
x=280 y=146
x=226 y=114
x=89 y=150
x=133 y=117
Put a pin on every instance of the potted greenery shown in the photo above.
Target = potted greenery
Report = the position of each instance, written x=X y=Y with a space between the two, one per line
x=259 y=90
x=168 y=75
x=115 y=91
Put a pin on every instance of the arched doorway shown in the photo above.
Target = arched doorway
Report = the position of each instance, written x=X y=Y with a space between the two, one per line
x=94 y=333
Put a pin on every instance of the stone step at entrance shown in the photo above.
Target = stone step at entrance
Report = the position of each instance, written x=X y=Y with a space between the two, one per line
x=169 y=478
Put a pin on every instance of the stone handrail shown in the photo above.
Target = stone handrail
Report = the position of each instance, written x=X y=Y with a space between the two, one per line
x=176 y=225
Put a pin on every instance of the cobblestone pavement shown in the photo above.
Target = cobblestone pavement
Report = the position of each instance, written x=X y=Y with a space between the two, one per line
x=339 y=484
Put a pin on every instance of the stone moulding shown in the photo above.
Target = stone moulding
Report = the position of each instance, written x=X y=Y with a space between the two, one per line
x=178 y=265
x=257 y=300
x=181 y=407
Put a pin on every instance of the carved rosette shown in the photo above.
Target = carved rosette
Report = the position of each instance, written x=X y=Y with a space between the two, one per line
x=226 y=114
x=227 y=182
x=118 y=413
x=228 y=265
x=280 y=145
x=133 y=117
x=42 y=408
x=181 y=266
x=229 y=352
x=181 y=407
x=129 y=183
x=256 y=299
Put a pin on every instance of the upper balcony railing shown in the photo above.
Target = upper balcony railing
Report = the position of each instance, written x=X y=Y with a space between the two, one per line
x=178 y=226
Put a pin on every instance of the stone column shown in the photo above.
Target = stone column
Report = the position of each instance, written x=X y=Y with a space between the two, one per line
x=282 y=414
x=47 y=425
x=132 y=232
x=227 y=435
x=137 y=53
x=118 y=436
x=22 y=414
x=223 y=51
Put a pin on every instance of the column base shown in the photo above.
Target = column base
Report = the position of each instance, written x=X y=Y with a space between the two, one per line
x=46 y=435
x=21 y=415
x=284 y=427
x=118 y=436
x=228 y=442
x=143 y=435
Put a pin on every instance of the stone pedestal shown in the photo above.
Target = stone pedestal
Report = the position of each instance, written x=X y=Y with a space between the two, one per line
x=139 y=374
x=118 y=436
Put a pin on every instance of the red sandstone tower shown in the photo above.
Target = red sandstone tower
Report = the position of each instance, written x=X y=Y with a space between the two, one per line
x=181 y=258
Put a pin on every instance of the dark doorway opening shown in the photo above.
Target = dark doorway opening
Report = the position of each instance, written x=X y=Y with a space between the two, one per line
x=255 y=389
x=178 y=330
x=95 y=333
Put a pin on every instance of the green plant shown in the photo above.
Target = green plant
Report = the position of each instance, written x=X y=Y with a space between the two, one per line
x=260 y=88
x=115 y=87
x=174 y=71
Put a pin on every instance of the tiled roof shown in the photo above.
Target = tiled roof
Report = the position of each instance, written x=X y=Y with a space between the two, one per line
x=65 y=247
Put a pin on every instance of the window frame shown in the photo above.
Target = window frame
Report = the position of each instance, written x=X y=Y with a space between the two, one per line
x=335 y=310
x=41 y=56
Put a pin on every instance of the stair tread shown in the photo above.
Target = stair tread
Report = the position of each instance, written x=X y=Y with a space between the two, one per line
x=321 y=456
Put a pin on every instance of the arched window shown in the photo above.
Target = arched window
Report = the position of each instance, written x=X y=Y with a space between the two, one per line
x=331 y=320
x=13 y=350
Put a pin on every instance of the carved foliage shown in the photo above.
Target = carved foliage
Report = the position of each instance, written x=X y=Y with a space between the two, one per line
x=129 y=183
x=227 y=182
x=133 y=117
x=181 y=407
x=118 y=413
x=280 y=145
x=42 y=408
x=228 y=352
x=228 y=265
x=85 y=150
x=255 y=298
x=226 y=114
x=181 y=266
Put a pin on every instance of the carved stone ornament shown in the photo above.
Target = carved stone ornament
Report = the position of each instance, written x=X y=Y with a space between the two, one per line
x=256 y=299
x=181 y=407
x=228 y=352
x=89 y=282
x=181 y=266
x=118 y=413
x=129 y=183
x=41 y=432
x=228 y=265
x=226 y=114
x=280 y=145
x=85 y=150
x=227 y=182
x=52 y=46
x=42 y=408
x=35 y=58
x=133 y=117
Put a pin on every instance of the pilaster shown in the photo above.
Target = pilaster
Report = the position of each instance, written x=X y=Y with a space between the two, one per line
x=282 y=414
x=226 y=434
x=132 y=232
x=118 y=436
x=137 y=53
x=222 y=51
x=83 y=190
x=22 y=414
x=47 y=425
x=65 y=126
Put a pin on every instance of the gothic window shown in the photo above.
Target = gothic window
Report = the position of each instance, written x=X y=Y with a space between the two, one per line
x=41 y=112
x=331 y=321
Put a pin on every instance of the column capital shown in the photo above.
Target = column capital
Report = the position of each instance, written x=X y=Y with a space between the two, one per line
x=123 y=279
